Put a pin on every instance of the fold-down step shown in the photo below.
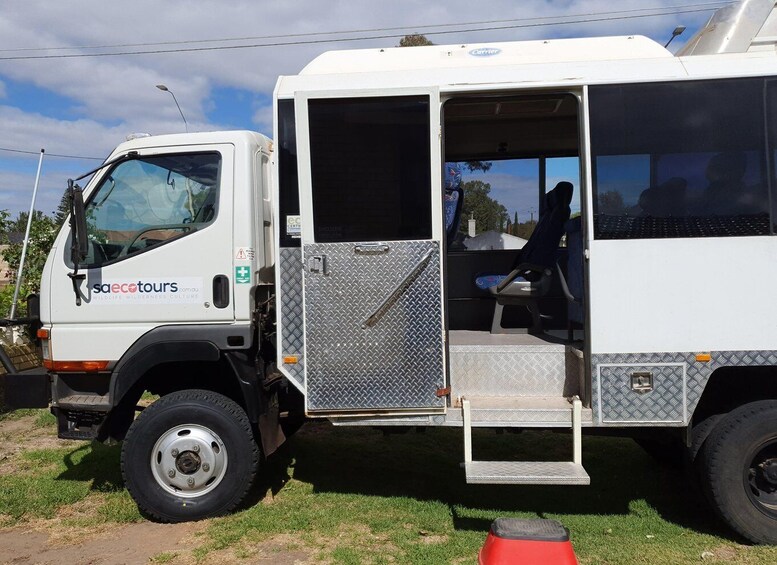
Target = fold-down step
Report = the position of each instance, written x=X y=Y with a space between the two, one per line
x=526 y=473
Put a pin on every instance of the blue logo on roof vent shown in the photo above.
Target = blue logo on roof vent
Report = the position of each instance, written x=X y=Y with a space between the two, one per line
x=485 y=51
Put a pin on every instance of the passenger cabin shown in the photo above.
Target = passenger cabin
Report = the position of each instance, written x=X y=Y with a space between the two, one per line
x=528 y=234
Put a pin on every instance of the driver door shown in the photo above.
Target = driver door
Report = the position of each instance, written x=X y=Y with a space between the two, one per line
x=160 y=232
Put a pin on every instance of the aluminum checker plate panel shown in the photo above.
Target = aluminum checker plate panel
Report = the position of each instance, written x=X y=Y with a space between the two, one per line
x=292 y=322
x=663 y=408
x=395 y=364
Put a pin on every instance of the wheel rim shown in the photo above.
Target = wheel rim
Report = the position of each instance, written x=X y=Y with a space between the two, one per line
x=189 y=460
x=760 y=477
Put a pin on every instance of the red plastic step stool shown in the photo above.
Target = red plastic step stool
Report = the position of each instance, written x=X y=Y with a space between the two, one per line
x=513 y=541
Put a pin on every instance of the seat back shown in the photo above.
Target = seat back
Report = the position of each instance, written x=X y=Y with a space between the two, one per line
x=542 y=247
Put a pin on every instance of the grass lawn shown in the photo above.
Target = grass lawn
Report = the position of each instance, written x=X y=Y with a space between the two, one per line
x=352 y=495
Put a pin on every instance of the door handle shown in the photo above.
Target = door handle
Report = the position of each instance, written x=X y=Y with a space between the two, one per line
x=318 y=264
x=221 y=291
x=371 y=248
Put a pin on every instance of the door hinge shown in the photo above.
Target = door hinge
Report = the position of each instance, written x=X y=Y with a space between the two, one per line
x=443 y=392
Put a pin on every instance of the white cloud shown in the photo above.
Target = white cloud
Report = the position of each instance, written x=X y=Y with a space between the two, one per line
x=262 y=119
x=113 y=96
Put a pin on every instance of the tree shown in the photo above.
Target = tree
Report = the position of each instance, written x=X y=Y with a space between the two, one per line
x=63 y=209
x=414 y=40
x=42 y=233
x=611 y=203
x=478 y=166
x=489 y=214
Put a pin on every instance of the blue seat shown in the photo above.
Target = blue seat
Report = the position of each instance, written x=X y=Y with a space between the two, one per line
x=532 y=275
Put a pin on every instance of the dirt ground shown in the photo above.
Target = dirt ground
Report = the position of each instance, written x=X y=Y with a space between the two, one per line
x=50 y=542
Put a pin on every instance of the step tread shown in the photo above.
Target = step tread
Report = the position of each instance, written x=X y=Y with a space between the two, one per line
x=554 y=411
x=84 y=402
x=526 y=472
x=468 y=337
x=519 y=403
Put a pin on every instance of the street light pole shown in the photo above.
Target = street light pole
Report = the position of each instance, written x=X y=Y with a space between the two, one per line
x=677 y=31
x=163 y=88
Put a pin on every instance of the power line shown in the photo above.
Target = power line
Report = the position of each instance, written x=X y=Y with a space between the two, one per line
x=9 y=150
x=704 y=5
x=680 y=10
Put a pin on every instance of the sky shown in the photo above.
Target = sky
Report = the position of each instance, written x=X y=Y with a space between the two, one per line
x=85 y=105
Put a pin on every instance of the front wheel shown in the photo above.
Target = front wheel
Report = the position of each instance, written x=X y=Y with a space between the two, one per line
x=740 y=470
x=188 y=456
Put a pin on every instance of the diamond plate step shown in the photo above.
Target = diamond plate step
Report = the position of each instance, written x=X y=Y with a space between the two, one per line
x=526 y=473
x=484 y=364
x=514 y=411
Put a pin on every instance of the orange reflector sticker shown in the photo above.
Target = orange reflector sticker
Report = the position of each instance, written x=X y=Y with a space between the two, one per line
x=290 y=360
x=42 y=333
x=75 y=366
x=703 y=357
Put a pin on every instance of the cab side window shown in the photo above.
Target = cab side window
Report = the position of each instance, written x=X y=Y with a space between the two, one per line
x=145 y=202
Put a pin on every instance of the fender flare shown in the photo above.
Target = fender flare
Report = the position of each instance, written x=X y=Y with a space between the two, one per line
x=168 y=344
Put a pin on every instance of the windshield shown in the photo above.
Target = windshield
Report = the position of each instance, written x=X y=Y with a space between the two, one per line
x=148 y=201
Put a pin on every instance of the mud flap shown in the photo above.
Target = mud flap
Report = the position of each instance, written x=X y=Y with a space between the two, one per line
x=28 y=389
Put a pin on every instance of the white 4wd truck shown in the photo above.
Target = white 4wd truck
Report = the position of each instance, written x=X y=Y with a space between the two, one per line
x=253 y=284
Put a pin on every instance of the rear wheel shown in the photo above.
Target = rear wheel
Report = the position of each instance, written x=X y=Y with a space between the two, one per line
x=740 y=470
x=188 y=456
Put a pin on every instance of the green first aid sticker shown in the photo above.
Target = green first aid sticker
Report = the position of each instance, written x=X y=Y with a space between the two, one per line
x=243 y=275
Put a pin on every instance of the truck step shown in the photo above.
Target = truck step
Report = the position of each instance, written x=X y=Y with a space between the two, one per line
x=526 y=473
x=488 y=365
x=513 y=411
x=90 y=402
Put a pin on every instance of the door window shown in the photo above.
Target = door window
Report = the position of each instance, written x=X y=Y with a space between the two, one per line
x=370 y=165
x=145 y=202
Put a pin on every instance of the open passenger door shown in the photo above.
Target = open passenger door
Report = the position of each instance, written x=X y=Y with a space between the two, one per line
x=371 y=207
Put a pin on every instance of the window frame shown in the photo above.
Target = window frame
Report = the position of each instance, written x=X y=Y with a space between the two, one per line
x=599 y=128
x=99 y=183
x=304 y=151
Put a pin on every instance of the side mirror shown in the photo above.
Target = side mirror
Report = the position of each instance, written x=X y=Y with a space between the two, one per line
x=80 y=245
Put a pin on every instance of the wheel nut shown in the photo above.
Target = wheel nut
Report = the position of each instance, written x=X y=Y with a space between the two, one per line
x=190 y=482
x=171 y=473
x=205 y=467
x=174 y=453
x=196 y=448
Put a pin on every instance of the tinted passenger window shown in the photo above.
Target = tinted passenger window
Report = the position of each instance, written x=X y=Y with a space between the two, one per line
x=145 y=202
x=679 y=160
x=370 y=164
x=288 y=202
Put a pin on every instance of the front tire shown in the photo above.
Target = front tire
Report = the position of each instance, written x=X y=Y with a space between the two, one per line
x=190 y=455
x=740 y=470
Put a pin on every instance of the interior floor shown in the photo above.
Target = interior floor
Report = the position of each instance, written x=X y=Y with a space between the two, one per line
x=470 y=337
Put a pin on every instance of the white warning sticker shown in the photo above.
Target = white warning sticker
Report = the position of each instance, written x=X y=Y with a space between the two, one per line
x=244 y=253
